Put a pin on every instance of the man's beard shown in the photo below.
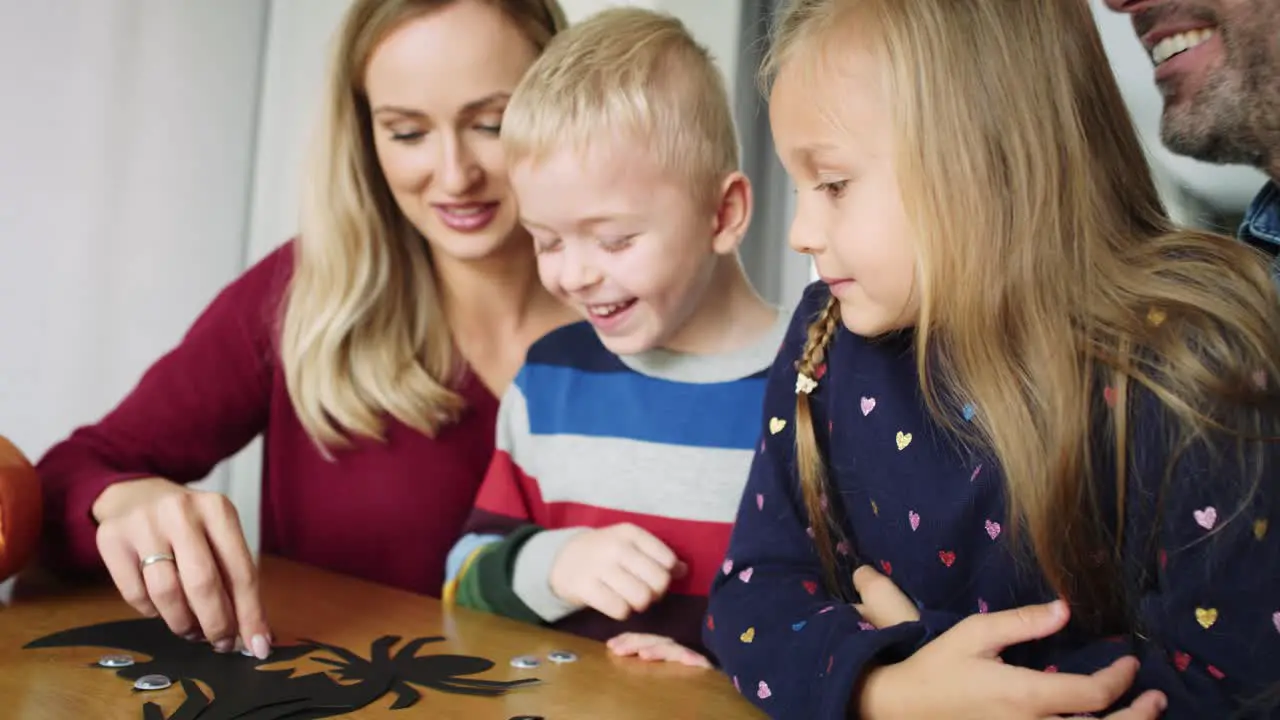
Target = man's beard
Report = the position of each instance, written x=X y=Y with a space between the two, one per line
x=1234 y=118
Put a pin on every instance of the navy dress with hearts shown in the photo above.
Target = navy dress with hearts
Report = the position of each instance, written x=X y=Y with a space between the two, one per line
x=928 y=512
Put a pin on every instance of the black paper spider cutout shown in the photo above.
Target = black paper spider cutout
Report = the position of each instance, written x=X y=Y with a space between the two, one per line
x=243 y=691
x=438 y=672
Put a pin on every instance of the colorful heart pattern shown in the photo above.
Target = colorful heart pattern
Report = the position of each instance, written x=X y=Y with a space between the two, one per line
x=993 y=529
x=867 y=404
x=1206 y=617
x=1181 y=661
x=1206 y=518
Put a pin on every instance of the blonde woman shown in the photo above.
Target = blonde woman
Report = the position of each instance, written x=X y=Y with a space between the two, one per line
x=1020 y=452
x=369 y=352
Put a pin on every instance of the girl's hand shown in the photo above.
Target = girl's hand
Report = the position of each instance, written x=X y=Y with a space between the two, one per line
x=960 y=675
x=1148 y=706
x=883 y=604
x=655 y=647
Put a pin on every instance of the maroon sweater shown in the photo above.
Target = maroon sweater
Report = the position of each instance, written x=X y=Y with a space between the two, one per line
x=387 y=512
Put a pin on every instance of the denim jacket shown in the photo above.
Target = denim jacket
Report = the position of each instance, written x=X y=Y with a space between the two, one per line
x=1261 y=225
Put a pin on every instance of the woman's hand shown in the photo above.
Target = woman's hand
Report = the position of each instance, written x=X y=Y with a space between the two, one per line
x=655 y=647
x=181 y=554
x=960 y=675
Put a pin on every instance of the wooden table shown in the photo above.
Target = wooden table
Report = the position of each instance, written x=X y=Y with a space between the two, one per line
x=61 y=683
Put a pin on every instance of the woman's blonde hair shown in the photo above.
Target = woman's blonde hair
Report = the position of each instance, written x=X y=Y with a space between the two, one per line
x=1049 y=274
x=363 y=331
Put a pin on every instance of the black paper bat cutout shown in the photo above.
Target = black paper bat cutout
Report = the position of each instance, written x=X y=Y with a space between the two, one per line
x=243 y=691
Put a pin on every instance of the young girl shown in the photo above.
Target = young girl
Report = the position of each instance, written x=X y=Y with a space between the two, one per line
x=1016 y=382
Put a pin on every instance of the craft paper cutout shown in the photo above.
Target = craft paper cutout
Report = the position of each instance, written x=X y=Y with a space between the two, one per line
x=242 y=690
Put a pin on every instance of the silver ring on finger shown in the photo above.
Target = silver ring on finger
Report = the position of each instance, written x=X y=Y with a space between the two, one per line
x=154 y=558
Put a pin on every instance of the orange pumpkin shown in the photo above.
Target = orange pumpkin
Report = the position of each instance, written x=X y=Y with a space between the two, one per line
x=20 y=509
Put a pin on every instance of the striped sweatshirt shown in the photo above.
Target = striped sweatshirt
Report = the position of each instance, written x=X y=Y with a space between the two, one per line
x=588 y=439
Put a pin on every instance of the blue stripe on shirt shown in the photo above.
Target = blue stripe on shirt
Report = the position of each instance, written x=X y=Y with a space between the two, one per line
x=566 y=400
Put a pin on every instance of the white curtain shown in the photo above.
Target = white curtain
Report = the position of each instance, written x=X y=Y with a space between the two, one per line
x=126 y=156
x=149 y=150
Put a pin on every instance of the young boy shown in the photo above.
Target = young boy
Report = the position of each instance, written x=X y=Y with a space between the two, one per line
x=625 y=440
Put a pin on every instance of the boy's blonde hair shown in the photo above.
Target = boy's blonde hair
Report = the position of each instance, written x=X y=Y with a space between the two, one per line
x=632 y=74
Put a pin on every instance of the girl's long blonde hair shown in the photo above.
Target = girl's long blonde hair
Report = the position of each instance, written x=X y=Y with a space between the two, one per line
x=363 y=331
x=1049 y=274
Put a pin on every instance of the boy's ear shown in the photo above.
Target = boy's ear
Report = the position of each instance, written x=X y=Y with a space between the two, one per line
x=733 y=213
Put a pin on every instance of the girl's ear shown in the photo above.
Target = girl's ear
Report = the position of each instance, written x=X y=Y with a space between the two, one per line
x=733 y=213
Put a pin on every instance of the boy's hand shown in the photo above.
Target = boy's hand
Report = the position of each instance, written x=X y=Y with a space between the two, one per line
x=616 y=570
x=655 y=647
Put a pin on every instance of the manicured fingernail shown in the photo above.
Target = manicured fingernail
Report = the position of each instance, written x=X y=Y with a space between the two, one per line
x=193 y=637
x=224 y=645
x=261 y=648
